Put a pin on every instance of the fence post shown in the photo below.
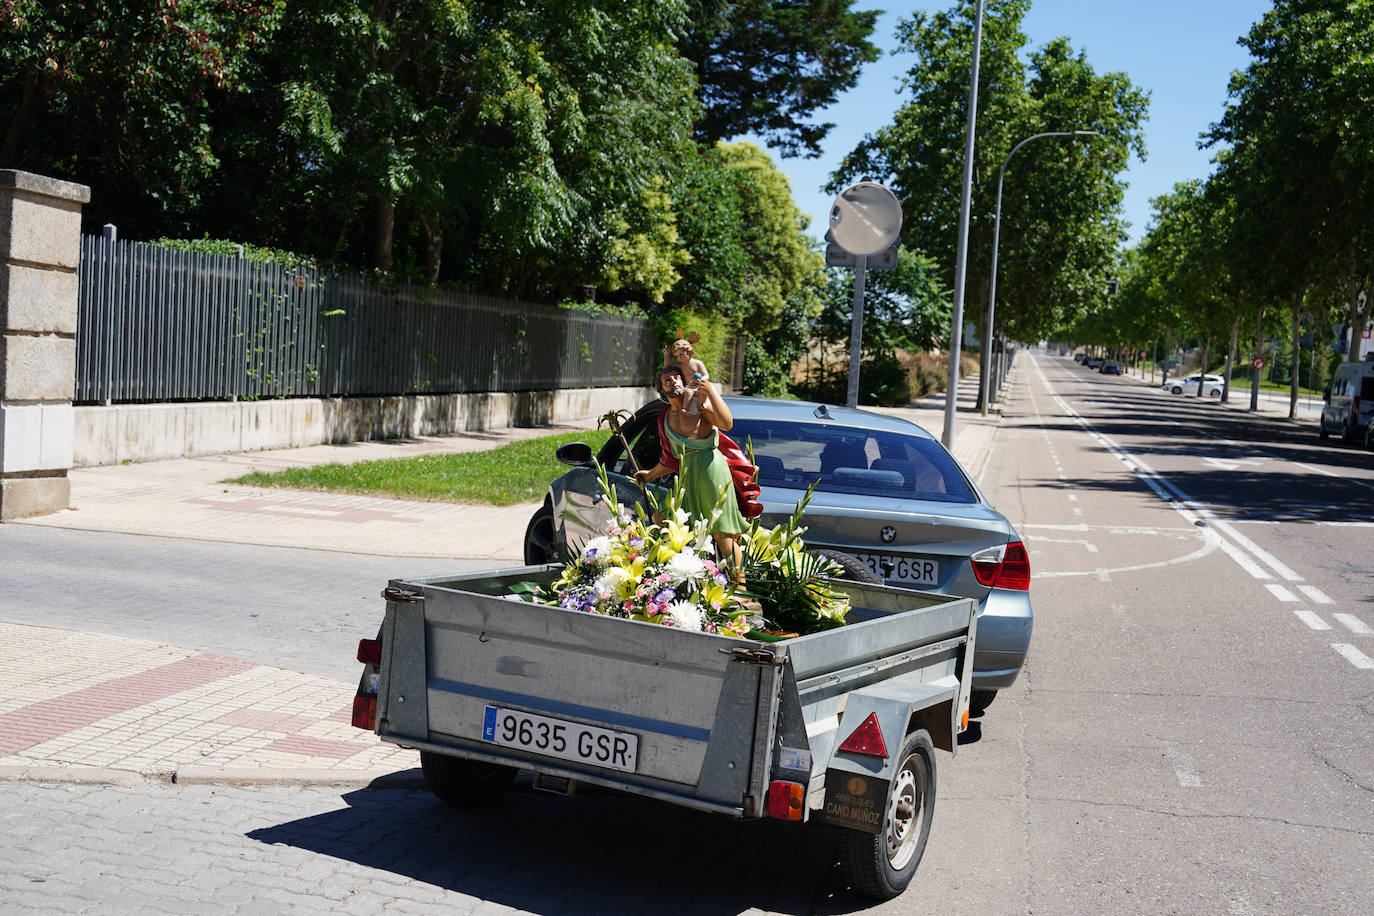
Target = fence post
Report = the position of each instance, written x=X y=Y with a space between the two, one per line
x=40 y=246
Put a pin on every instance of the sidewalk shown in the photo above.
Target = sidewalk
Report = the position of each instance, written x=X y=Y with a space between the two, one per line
x=92 y=708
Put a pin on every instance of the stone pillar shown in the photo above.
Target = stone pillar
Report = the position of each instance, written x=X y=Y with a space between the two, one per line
x=40 y=244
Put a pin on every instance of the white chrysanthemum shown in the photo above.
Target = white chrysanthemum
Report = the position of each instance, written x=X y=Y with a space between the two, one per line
x=685 y=565
x=685 y=614
x=598 y=550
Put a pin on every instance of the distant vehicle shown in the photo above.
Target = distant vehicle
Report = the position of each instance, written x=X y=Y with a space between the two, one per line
x=1110 y=368
x=1079 y=357
x=1094 y=362
x=1349 y=406
x=1212 y=385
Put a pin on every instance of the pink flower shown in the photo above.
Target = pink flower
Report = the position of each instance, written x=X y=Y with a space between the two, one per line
x=628 y=606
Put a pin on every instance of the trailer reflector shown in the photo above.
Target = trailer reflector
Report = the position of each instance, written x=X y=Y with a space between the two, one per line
x=365 y=713
x=867 y=739
x=370 y=652
x=786 y=800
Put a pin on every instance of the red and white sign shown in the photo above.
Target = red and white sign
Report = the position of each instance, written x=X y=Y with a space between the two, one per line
x=1257 y=362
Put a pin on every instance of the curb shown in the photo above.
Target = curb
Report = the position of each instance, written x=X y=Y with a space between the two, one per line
x=411 y=778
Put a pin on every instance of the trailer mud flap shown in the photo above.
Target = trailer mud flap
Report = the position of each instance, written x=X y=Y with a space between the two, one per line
x=854 y=801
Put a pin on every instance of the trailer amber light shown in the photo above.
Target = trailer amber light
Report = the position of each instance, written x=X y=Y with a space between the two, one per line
x=963 y=721
x=370 y=652
x=786 y=800
x=867 y=739
x=365 y=713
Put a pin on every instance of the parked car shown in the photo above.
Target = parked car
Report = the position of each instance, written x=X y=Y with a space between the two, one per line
x=1079 y=357
x=1094 y=362
x=890 y=502
x=1349 y=406
x=1110 y=368
x=1212 y=385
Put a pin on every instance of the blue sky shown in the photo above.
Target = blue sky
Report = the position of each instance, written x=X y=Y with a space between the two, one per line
x=1181 y=51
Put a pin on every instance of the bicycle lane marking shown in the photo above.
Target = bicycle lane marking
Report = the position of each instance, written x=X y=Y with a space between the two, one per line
x=1240 y=548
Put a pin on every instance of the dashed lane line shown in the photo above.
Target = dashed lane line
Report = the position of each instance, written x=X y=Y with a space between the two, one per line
x=1315 y=594
x=1354 y=624
x=1354 y=656
x=1313 y=621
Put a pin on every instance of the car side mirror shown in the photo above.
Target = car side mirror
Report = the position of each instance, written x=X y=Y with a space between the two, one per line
x=577 y=454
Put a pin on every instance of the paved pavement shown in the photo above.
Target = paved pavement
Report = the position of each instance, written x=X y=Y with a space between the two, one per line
x=84 y=707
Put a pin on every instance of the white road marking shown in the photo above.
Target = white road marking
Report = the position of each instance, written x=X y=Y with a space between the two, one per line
x=1354 y=656
x=1312 y=620
x=1281 y=593
x=1316 y=594
x=1245 y=563
x=1072 y=498
x=1354 y=624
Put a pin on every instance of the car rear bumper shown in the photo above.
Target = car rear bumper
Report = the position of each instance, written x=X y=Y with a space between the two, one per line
x=1004 y=632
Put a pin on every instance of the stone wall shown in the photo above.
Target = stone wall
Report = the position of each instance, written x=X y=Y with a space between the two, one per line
x=147 y=432
x=40 y=236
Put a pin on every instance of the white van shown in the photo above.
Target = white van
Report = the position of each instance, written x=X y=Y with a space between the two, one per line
x=1349 y=406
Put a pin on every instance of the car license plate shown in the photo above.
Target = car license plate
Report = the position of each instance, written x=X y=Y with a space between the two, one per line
x=561 y=738
x=902 y=570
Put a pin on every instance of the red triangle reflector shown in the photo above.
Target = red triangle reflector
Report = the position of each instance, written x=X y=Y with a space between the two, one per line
x=866 y=739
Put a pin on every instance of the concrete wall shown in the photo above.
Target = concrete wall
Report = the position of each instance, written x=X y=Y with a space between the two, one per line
x=148 y=432
x=40 y=244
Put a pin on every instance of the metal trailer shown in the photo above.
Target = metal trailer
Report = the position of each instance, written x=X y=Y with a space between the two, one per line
x=838 y=726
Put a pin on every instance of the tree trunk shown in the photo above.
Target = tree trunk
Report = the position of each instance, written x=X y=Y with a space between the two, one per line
x=1230 y=361
x=434 y=245
x=1295 y=325
x=1358 y=314
x=383 y=232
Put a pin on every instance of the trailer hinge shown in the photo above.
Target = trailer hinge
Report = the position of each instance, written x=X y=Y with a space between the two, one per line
x=392 y=593
x=765 y=657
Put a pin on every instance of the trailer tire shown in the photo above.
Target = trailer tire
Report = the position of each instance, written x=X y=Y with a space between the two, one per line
x=855 y=570
x=881 y=865
x=465 y=783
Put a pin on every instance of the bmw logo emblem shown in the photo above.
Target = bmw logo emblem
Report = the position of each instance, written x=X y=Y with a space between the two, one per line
x=889 y=534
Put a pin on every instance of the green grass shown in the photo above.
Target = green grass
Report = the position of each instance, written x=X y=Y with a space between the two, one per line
x=516 y=473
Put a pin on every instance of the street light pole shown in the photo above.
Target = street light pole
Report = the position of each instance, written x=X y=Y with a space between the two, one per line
x=956 y=329
x=996 y=235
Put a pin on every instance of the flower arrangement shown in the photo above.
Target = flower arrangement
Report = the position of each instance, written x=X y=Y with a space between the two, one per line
x=659 y=567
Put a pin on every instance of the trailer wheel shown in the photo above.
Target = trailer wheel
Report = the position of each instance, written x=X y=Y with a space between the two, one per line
x=465 y=783
x=882 y=865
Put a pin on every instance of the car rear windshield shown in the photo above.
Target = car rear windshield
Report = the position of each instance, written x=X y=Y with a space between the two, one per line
x=847 y=460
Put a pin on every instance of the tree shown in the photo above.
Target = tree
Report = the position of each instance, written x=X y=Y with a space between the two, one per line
x=117 y=95
x=766 y=66
x=1060 y=230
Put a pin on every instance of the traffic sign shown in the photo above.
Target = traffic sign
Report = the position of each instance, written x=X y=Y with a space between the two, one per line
x=865 y=219
x=1257 y=363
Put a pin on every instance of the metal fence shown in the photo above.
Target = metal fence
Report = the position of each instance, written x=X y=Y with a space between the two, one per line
x=163 y=325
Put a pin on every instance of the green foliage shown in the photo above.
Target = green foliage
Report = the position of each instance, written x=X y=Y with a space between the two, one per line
x=227 y=249
x=765 y=66
x=883 y=381
x=1059 y=229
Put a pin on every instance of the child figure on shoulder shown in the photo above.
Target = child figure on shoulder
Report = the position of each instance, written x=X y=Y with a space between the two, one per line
x=679 y=354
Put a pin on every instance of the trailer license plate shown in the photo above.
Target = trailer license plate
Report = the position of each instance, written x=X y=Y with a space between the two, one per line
x=561 y=738
x=902 y=570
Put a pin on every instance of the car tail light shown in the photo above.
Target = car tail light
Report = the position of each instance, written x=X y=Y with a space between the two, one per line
x=370 y=652
x=1007 y=566
x=786 y=800
x=867 y=739
x=365 y=712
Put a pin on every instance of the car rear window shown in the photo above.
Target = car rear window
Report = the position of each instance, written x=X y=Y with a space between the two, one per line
x=847 y=460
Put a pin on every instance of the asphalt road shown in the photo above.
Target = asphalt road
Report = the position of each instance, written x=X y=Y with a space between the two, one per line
x=1192 y=733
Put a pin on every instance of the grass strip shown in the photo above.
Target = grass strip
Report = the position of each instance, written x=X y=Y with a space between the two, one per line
x=515 y=473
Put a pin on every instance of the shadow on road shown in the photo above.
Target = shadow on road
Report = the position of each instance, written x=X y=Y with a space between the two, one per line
x=592 y=853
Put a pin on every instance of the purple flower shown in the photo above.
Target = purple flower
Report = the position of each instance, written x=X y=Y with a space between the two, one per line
x=571 y=603
x=636 y=542
x=589 y=554
x=665 y=596
x=719 y=578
